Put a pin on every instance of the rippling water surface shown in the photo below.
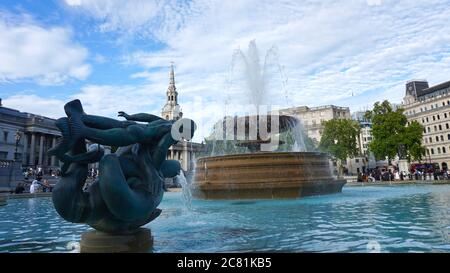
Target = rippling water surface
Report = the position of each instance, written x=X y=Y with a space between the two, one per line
x=361 y=219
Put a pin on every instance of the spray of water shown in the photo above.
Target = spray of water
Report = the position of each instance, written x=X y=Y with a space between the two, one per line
x=258 y=82
x=186 y=190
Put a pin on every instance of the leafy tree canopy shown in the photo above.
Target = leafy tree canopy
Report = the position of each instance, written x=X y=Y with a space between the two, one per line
x=339 y=138
x=392 y=135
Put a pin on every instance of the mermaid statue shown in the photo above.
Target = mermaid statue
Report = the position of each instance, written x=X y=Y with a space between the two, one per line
x=129 y=186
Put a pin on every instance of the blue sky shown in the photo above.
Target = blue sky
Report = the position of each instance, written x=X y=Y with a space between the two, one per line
x=114 y=55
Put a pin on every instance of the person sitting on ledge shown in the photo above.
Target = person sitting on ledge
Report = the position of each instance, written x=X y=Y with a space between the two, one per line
x=19 y=189
x=46 y=187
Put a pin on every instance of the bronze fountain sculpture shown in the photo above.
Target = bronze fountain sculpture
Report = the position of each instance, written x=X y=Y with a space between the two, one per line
x=130 y=183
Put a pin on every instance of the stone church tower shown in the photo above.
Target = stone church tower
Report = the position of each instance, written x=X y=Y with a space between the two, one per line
x=171 y=109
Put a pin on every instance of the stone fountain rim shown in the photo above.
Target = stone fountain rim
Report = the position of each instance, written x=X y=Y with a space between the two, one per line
x=262 y=154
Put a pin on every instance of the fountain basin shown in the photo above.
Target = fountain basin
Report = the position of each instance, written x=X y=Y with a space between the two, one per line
x=264 y=176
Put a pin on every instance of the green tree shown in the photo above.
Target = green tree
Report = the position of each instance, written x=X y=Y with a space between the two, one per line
x=392 y=135
x=339 y=139
x=288 y=138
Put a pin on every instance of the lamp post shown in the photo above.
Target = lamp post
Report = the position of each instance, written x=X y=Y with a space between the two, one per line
x=17 y=137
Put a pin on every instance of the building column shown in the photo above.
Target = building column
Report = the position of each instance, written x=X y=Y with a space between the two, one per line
x=32 y=149
x=25 y=149
x=185 y=156
x=53 y=160
x=41 y=150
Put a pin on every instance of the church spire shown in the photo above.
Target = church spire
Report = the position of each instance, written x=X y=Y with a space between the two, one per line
x=172 y=75
x=171 y=109
x=172 y=90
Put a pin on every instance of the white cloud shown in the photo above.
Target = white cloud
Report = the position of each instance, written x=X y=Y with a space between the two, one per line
x=107 y=100
x=100 y=59
x=133 y=17
x=374 y=2
x=328 y=50
x=35 y=104
x=73 y=2
x=143 y=74
x=46 y=55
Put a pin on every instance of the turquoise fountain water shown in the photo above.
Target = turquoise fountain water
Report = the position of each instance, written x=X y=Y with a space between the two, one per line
x=397 y=218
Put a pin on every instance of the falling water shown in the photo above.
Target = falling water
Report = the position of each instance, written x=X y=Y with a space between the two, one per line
x=252 y=77
x=260 y=81
x=186 y=191
x=296 y=129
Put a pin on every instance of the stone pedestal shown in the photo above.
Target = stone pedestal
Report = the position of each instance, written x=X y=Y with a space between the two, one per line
x=403 y=165
x=139 y=241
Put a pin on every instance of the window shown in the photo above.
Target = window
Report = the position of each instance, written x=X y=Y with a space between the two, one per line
x=442 y=138
x=435 y=128
x=432 y=151
x=5 y=136
x=429 y=130
x=445 y=115
x=439 y=117
x=437 y=139
x=428 y=152
x=3 y=155
x=427 y=119
x=438 y=150
x=448 y=136
x=423 y=120
x=357 y=160
x=440 y=127
x=434 y=118
x=431 y=140
x=443 y=103
x=443 y=150
x=446 y=126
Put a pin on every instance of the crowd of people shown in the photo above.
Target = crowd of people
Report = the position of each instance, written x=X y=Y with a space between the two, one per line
x=39 y=173
x=38 y=180
x=382 y=174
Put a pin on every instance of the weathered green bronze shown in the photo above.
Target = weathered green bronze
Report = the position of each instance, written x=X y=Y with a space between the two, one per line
x=129 y=187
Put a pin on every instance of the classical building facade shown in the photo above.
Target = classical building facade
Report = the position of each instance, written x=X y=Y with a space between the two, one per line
x=26 y=138
x=313 y=117
x=430 y=106
x=184 y=151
